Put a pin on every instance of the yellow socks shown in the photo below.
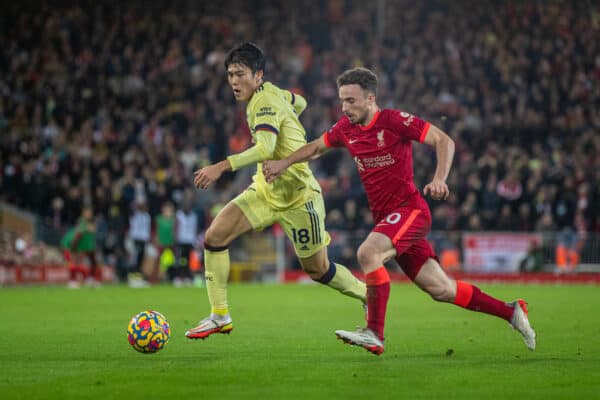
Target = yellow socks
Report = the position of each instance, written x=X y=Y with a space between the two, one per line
x=216 y=265
x=342 y=280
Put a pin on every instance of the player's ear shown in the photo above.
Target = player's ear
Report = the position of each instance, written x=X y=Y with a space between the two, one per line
x=370 y=98
x=258 y=75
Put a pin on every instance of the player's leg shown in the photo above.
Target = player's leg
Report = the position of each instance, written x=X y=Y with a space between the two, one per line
x=426 y=272
x=392 y=235
x=227 y=225
x=155 y=274
x=372 y=254
x=135 y=278
x=334 y=275
x=186 y=270
x=73 y=281
x=305 y=227
x=94 y=277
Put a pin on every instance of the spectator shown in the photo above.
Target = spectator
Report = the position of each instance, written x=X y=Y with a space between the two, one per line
x=79 y=245
x=165 y=242
x=186 y=237
x=78 y=113
x=140 y=227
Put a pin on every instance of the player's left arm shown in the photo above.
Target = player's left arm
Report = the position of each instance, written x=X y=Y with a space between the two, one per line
x=298 y=102
x=444 y=151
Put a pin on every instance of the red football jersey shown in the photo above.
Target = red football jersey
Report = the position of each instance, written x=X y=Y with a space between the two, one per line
x=382 y=152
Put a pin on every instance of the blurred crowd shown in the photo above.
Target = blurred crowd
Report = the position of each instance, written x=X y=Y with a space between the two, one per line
x=22 y=249
x=115 y=104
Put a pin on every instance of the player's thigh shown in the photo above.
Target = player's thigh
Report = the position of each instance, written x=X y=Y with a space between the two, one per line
x=256 y=210
x=407 y=228
x=305 y=227
x=229 y=223
x=414 y=257
x=404 y=226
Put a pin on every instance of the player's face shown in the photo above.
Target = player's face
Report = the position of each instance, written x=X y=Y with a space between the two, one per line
x=356 y=103
x=243 y=82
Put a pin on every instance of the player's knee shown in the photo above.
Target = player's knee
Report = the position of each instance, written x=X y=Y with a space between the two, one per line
x=368 y=257
x=215 y=237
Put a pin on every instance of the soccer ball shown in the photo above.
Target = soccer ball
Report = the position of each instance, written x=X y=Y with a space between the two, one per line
x=148 y=332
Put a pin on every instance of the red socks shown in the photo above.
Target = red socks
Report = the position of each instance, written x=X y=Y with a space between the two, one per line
x=467 y=296
x=471 y=297
x=378 y=293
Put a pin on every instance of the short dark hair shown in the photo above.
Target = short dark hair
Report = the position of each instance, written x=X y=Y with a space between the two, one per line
x=247 y=54
x=363 y=77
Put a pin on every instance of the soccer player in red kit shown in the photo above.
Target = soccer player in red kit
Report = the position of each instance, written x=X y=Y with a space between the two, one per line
x=380 y=142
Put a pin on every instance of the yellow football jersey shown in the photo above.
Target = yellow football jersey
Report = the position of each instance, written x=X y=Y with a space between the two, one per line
x=272 y=109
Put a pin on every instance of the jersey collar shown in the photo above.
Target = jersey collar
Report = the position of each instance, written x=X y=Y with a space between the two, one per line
x=375 y=116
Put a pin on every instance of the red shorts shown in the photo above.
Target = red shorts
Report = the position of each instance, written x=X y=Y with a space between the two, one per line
x=407 y=228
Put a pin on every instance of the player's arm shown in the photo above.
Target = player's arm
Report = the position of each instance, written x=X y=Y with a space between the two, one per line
x=262 y=150
x=310 y=151
x=298 y=102
x=444 y=151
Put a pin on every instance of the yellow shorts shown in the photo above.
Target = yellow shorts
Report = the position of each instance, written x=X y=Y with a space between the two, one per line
x=304 y=226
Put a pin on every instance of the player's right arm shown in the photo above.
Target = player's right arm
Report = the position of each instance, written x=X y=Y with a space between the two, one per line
x=310 y=151
x=263 y=149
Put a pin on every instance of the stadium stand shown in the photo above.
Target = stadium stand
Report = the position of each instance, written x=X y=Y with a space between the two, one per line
x=114 y=103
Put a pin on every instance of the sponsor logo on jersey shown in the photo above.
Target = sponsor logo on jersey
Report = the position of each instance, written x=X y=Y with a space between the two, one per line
x=265 y=111
x=374 y=162
x=359 y=164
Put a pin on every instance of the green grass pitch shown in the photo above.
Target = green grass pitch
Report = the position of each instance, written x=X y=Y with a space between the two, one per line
x=71 y=344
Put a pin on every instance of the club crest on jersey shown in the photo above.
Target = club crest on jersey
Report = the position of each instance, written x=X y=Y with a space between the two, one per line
x=380 y=139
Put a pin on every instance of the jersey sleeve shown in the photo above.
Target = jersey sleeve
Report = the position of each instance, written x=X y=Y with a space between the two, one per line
x=297 y=101
x=267 y=116
x=262 y=150
x=409 y=126
x=334 y=136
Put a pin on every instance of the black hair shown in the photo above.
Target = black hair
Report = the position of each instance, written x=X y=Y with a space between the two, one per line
x=247 y=54
x=363 y=77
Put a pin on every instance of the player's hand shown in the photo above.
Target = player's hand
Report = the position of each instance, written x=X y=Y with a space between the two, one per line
x=207 y=175
x=437 y=189
x=273 y=168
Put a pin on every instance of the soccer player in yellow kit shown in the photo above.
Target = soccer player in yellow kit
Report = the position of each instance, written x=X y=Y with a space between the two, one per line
x=294 y=201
